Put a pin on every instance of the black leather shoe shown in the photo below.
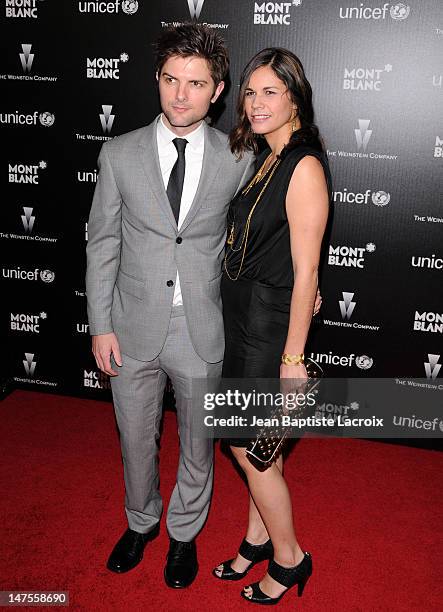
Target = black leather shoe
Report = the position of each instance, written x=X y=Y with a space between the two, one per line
x=181 y=566
x=128 y=552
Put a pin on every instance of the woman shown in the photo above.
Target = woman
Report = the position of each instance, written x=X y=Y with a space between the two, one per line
x=275 y=230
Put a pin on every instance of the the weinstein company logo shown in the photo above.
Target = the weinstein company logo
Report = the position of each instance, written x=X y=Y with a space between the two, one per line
x=28 y=219
x=432 y=367
x=347 y=305
x=106 y=119
x=29 y=364
x=362 y=136
x=363 y=133
x=195 y=8
x=26 y=58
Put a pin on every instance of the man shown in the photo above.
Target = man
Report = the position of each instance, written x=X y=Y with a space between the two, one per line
x=156 y=237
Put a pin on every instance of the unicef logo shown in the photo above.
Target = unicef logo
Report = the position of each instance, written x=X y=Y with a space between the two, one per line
x=47 y=119
x=47 y=276
x=364 y=362
x=130 y=6
x=381 y=198
x=399 y=11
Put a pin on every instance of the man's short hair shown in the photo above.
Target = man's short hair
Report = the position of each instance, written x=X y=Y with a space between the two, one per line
x=193 y=39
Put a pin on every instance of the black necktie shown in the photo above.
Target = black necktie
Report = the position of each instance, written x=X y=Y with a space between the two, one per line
x=175 y=183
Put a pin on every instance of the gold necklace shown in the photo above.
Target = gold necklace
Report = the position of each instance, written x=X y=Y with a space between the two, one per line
x=260 y=175
x=244 y=239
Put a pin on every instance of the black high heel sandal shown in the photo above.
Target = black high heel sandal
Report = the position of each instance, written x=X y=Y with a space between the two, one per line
x=286 y=576
x=253 y=553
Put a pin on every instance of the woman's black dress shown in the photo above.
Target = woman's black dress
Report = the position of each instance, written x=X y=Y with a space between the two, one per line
x=256 y=307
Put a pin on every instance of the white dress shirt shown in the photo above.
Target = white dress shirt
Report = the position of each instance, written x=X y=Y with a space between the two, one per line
x=167 y=154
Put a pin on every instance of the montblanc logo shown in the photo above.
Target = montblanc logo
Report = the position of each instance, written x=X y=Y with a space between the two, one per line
x=29 y=364
x=22 y=8
x=363 y=133
x=437 y=80
x=273 y=13
x=432 y=262
x=105 y=67
x=397 y=11
x=379 y=198
x=347 y=305
x=26 y=173
x=195 y=8
x=96 y=379
x=429 y=322
x=28 y=323
x=334 y=411
x=438 y=147
x=106 y=119
x=364 y=79
x=47 y=276
x=348 y=256
x=26 y=57
x=363 y=361
x=45 y=119
x=129 y=7
x=28 y=219
x=432 y=367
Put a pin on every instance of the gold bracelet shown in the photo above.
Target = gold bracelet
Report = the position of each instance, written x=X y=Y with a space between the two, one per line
x=290 y=360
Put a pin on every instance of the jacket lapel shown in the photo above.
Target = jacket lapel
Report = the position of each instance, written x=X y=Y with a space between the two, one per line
x=210 y=167
x=148 y=154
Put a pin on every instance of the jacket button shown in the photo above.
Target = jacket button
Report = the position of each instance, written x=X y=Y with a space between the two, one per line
x=179 y=240
x=170 y=283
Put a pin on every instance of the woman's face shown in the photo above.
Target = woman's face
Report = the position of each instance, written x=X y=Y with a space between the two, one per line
x=268 y=105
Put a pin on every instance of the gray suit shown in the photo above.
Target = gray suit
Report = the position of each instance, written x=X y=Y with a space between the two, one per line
x=133 y=256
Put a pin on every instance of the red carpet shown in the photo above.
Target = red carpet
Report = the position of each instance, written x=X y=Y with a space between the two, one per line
x=370 y=513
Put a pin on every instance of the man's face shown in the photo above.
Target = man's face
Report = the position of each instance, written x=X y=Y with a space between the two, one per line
x=186 y=92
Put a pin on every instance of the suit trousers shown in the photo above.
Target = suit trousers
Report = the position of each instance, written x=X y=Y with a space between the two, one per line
x=138 y=396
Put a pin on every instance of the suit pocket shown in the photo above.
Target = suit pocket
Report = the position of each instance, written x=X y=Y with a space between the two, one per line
x=130 y=285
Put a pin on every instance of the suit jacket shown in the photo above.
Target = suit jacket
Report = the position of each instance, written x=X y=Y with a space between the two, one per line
x=133 y=252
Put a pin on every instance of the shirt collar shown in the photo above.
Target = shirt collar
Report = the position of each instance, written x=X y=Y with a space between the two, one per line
x=195 y=138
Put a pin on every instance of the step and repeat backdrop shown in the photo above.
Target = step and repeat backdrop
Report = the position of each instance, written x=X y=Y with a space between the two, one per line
x=75 y=73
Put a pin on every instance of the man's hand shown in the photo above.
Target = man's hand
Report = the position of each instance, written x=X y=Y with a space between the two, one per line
x=102 y=347
x=318 y=301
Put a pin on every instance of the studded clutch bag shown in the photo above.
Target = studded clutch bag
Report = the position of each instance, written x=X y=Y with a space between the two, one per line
x=263 y=450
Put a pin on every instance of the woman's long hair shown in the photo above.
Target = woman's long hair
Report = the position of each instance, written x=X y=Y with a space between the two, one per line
x=288 y=69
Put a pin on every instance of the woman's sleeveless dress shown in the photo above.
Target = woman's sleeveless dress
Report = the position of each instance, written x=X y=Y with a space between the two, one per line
x=256 y=306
